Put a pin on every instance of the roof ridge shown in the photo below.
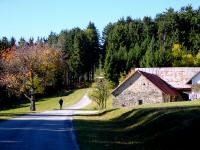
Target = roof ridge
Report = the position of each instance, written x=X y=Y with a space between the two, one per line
x=160 y=83
x=157 y=81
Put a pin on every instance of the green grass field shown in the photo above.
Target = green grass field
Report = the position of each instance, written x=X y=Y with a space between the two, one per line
x=164 y=126
x=44 y=104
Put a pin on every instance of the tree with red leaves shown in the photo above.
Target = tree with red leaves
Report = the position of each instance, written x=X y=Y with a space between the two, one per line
x=29 y=70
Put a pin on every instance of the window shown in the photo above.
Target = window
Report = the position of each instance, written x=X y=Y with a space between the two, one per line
x=140 y=102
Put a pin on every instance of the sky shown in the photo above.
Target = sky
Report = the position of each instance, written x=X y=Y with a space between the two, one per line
x=33 y=18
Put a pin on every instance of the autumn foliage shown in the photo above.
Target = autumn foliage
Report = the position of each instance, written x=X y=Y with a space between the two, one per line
x=30 y=69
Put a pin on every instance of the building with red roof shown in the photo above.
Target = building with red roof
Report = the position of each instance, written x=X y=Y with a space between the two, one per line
x=154 y=85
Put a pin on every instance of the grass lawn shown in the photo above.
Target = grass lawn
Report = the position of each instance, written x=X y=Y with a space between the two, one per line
x=165 y=126
x=44 y=104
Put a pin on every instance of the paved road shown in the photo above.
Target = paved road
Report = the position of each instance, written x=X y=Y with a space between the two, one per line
x=50 y=130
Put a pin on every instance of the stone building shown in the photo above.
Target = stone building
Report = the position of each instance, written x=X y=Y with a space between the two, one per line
x=154 y=85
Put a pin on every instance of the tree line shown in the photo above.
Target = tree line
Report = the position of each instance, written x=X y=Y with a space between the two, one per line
x=70 y=58
x=62 y=61
x=172 y=38
x=81 y=53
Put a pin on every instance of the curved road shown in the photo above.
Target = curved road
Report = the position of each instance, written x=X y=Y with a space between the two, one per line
x=50 y=130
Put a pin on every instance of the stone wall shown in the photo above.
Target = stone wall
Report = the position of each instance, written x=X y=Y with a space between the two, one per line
x=137 y=88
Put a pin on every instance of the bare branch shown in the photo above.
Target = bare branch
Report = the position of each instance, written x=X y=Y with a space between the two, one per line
x=27 y=97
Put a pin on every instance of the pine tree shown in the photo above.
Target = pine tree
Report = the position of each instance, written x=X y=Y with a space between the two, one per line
x=12 y=41
x=31 y=41
x=22 y=42
x=93 y=50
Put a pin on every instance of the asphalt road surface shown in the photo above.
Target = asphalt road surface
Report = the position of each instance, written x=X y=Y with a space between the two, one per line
x=50 y=130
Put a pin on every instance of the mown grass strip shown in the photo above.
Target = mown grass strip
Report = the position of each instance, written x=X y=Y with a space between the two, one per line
x=44 y=104
x=149 y=127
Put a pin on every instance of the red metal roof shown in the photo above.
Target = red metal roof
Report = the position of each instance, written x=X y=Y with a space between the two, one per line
x=162 y=85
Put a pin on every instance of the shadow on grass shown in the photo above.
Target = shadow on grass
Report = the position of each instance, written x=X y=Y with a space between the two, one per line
x=26 y=103
x=13 y=104
x=142 y=129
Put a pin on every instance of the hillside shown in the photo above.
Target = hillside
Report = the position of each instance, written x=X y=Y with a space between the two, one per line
x=157 y=128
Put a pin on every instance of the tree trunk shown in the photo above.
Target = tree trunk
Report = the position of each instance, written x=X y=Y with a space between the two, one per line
x=65 y=78
x=104 y=103
x=93 y=70
x=32 y=106
x=88 y=76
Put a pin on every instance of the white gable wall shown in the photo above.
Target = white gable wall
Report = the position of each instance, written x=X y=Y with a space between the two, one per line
x=195 y=94
x=135 y=89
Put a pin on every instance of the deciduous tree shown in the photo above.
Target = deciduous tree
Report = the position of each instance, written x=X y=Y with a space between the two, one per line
x=100 y=93
x=29 y=70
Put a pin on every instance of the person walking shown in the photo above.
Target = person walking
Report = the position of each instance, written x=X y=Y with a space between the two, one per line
x=61 y=103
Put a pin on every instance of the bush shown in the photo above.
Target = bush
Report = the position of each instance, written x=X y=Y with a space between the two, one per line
x=100 y=93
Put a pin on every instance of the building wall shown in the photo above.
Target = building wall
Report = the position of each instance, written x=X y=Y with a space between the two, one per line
x=135 y=89
x=195 y=92
x=170 y=98
x=166 y=98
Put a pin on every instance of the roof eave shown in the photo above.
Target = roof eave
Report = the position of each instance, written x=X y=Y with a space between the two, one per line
x=124 y=82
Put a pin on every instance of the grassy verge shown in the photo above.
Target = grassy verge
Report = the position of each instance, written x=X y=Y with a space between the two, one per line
x=94 y=106
x=171 y=104
x=151 y=127
x=44 y=104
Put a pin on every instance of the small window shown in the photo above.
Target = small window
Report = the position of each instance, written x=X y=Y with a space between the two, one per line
x=140 y=102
